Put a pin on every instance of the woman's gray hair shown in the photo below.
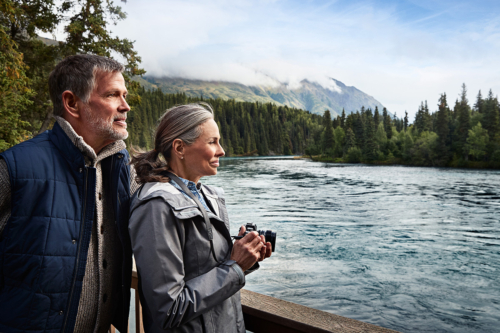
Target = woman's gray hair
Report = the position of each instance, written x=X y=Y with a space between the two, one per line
x=180 y=122
x=78 y=74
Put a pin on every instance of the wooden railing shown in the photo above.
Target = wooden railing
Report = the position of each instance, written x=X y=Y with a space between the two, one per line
x=265 y=314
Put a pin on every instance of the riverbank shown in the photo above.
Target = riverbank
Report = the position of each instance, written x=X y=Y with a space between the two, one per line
x=399 y=161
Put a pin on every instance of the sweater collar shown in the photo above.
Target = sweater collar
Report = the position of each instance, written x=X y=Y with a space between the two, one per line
x=80 y=144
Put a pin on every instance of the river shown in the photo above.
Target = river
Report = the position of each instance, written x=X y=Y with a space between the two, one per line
x=407 y=248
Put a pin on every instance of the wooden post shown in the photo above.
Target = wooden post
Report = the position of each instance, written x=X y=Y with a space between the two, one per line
x=139 y=327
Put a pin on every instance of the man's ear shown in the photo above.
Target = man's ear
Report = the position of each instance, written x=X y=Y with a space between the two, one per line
x=71 y=104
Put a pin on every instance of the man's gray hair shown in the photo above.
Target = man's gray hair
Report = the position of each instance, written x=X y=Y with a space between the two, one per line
x=77 y=74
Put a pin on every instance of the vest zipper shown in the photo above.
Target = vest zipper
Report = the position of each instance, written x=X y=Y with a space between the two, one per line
x=78 y=250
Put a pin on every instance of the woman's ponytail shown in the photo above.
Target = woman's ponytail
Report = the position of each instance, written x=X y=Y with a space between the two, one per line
x=149 y=167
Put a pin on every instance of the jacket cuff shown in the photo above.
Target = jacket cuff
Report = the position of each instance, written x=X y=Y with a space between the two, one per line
x=234 y=265
x=252 y=269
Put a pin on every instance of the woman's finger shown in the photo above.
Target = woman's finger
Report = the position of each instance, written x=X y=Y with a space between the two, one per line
x=269 y=249
x=262 y=253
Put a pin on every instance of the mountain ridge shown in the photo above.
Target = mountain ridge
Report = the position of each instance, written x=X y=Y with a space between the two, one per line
x=310 y=96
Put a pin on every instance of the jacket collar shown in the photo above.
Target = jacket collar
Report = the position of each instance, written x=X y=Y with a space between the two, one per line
x=75 y=149
x=173 y=197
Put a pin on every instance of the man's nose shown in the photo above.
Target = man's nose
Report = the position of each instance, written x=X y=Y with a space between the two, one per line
x=124 y=107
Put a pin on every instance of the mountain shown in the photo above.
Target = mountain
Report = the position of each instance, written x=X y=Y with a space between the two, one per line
x=309 y=96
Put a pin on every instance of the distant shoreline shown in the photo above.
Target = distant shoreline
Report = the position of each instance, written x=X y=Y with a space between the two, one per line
x=398 y=162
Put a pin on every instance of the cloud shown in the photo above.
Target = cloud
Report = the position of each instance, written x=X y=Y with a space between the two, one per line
x=400 y=53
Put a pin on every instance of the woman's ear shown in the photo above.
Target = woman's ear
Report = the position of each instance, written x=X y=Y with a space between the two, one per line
x=71 y=104
x=178 y=148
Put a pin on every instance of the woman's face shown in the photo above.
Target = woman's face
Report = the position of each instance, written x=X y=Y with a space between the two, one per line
x=202 y=157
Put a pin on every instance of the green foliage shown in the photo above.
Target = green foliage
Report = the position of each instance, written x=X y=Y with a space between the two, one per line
x=350 y=140
x=249 y=128
x=86 y=23
x=381 y=137
x=14 y=92
x=443 y=130
x=246 y=128
x=339 y=135
x=423 y=151
x=477 y=141
x=354 y=155
x=328 y=138
x=462 y=109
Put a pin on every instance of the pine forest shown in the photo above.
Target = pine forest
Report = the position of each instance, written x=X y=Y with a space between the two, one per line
x=462 y=136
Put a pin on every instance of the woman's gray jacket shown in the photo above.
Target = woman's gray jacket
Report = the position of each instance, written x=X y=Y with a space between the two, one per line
x=182 y=288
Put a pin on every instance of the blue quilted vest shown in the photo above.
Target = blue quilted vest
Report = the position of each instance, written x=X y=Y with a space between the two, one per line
x=44 y=246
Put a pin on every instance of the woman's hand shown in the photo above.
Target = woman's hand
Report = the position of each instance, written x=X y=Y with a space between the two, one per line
x=250 y=249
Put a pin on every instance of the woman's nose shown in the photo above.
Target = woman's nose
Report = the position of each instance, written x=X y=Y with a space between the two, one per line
x=220 y=151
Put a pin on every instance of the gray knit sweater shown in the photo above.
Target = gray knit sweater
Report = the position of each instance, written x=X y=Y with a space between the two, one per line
x=95 y=310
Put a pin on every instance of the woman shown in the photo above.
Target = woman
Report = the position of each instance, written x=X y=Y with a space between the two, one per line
x=189 y=271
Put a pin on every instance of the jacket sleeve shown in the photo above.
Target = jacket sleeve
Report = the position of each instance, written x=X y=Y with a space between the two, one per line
x=157 y=243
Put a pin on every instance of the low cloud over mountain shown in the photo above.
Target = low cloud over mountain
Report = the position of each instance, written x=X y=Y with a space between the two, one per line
x=304 y=94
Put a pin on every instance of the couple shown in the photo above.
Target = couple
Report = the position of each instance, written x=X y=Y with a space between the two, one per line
x=69 y=218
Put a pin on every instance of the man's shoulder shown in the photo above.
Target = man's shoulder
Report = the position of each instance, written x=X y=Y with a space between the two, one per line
x=40 y=141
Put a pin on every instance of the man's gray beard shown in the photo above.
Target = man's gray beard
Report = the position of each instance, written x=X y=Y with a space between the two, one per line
x=103 y=128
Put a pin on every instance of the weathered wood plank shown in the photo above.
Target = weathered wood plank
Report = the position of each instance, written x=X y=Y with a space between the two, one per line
x=268 y=314
x=265 y=314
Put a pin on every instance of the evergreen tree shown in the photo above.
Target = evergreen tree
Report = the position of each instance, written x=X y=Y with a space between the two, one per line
x=359 y=129
x=422 y=118
x=86 y=26
x=387 y=123
x=339 y=142
x=443 y=130
x=491 y=115
x=463 y=123
x=427 y=118
x=350 y=140
x=477 y=141
x=342 y=119
x=370 y=151
x=406 y=121
x=376 y=117
x=328 y=138
x=381 y=137
x=479 y=106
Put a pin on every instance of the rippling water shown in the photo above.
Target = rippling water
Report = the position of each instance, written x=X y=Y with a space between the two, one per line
x=412 y=249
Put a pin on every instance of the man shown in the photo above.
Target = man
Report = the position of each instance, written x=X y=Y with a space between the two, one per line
x=65 y=256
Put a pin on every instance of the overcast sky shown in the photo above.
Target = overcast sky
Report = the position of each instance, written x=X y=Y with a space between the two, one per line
x=400 y=52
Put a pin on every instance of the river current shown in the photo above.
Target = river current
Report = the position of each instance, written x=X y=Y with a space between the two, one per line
x=407 y=248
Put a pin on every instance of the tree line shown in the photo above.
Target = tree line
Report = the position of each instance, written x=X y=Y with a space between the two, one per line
x=246 y=128
x=464 y=135
x=461 y=136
